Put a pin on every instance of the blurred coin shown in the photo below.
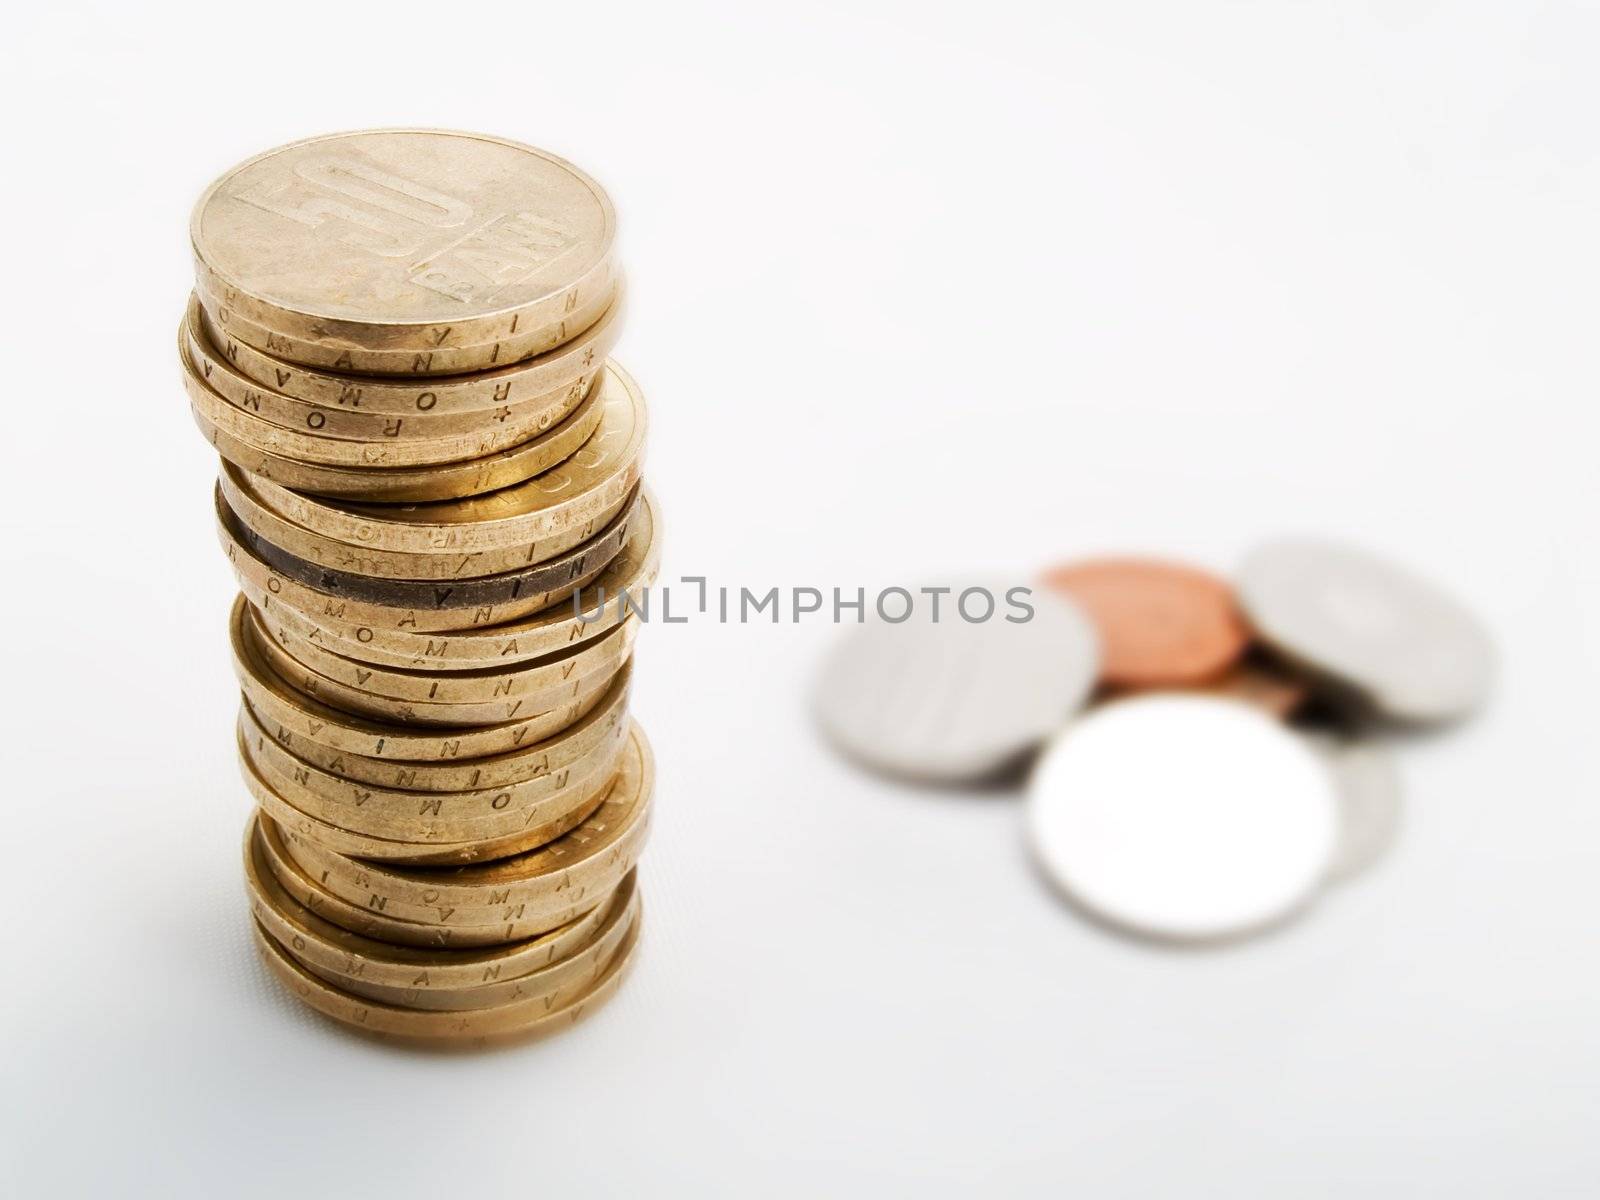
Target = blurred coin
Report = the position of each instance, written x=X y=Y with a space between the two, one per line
x=941 y=697
x=1402 y=645
x=1160 y=624
x=1368 y=782
x=405 y=250
x=1183 y=817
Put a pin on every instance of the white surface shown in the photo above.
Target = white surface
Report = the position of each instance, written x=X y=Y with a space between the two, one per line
x=1185 y=817
x=913 y=292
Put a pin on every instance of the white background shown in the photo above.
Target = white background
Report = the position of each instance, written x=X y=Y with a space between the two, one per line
x=913 y=290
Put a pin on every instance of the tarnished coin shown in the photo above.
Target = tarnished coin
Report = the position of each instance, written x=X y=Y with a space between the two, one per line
x=313 y=939
x=238 y=488
x=367 y=918
x=405 y=251
x=396 y=485
x=588 y=861
x=1183 y=816
x=1402 y=645
x=504 y=592
x=1368 y=781
x=481 y=1027
x=605 y=469
x=473 y=396
x=1161 y=624
x=605 y=603
x=942 y=697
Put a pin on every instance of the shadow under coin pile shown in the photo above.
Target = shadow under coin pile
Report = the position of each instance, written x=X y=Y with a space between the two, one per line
x=430 y=472
x=1205 y=758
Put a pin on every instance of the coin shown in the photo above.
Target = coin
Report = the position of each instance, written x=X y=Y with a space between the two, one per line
x=595 y=477
x=369 y=921
x=1368 y=782
x=1160 y=624
x=466 y=396
x=539 y=758
x=609 y=600
x=394 y=485
x=214 y=368
x=538 y=678
x=940 y=697
x=251 y=508
x=318 y=942
x=274 y=699
x=508 y=590
x=588 y=861
x=1404 y=647
x=516 y=1020
x=405 y=250
x=452 y=818
x=250 y=416
x=1183 y=816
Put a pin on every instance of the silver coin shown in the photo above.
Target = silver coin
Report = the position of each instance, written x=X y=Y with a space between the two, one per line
x=1407 y=649
x=938 y=696
x=1367 y=779
x=1182 y=816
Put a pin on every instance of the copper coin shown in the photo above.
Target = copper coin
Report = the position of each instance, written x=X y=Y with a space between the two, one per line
x=1160 y=624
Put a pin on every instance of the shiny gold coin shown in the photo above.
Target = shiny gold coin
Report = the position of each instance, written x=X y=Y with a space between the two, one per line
x=481 y=815
x=277 y=702
x=321 y=944
x=358 y=700
x=608 y=600
x=606 y=468
x=505 y=424
x=541 y=758
x=238 y=489
x=536 y=677
x=421 y=850
x=588 y=861
x=405 y=250
x=395 y=485
x=546 y=983
x=514 y=1021
x=369 y=921
x=464 y=397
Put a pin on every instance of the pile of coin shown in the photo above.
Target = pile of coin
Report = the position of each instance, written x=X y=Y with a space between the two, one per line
x=430 y=495
x=1205 y=758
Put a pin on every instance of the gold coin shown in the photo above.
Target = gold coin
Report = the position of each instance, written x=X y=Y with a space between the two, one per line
x=395 y=485
x=429 y=818
x=240 y=552
x=616 y=917
x=464 y=396
x=358 y=700
x=274 y=699
x=422 y=850
x=405 y=250
x=536 y=677
x=251 y=508
x=605 y=468
x=483 y=1027
x=493 y=771
x=601 y=606
x=369 y=921
x=320 y=943
x=583 y=863
x=505 y=423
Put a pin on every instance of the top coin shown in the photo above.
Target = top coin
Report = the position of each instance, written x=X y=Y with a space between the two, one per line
x=406 y=241
x=1412 y=652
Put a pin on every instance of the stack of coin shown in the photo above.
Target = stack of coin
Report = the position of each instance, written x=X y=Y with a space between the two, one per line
x=1211 y=754
x=430 y=495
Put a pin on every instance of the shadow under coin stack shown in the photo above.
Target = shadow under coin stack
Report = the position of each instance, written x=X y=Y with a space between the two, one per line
x=398 y=345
